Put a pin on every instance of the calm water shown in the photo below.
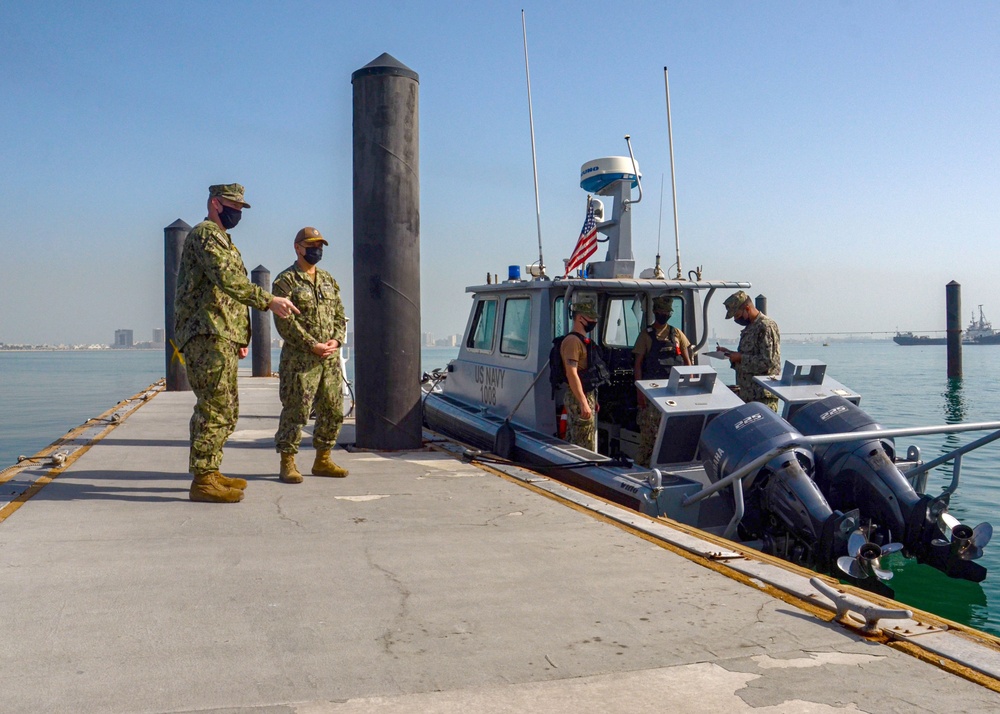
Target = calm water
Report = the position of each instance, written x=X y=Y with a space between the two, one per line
x=45 y=394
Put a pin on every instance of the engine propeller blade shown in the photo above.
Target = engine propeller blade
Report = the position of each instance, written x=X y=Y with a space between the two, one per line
x=982 y=534
x=850 y=566
x=854 y=543
x=948 y=522
x=864 y=559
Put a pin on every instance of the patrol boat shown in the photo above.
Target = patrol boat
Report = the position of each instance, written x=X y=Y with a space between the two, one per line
x=821 y=484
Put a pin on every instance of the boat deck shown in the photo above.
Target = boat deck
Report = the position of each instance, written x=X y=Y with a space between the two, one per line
x=418 y=584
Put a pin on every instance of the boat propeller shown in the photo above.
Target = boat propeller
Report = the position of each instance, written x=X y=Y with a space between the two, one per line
x=964 y=542
x=864 y=557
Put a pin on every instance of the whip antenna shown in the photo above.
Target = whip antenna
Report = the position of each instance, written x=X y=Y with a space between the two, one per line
x=657 y=270
x=534 y=161
x=673 y=180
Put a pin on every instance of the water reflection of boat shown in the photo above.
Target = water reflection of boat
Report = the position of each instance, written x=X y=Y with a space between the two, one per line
x=821 y=485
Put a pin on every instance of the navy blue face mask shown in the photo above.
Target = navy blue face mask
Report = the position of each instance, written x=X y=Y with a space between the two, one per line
x=313 y=255
x=229 y=217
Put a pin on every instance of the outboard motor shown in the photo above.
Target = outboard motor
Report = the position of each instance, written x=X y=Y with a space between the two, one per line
x=784 y=508
x=862 y=474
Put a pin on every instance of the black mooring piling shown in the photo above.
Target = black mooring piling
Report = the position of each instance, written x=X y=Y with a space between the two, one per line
x=953 y=312
x=173 y=245
x=760 y=302
x=387 y=255
x=260 y=328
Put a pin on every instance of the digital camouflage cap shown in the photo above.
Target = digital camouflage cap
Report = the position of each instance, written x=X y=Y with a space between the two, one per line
x=231 y=191
x=734 y=302
x=586 y=307
x=663 y=303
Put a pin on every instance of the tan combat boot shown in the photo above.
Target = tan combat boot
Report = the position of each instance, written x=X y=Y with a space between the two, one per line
x=208 y=489
x=240 y=483
x=289 y=471
x=323 y=466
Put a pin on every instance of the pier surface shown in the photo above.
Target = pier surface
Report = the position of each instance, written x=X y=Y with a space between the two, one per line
x=417 y=584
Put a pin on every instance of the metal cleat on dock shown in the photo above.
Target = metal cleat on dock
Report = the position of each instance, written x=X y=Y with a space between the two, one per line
x=847 y=604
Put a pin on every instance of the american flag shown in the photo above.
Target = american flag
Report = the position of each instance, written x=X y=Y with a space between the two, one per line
x=586 y=244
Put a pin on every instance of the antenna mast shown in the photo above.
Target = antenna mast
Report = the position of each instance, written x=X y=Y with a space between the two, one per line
x=657 y=270
x=673 y=180
x=534 y=161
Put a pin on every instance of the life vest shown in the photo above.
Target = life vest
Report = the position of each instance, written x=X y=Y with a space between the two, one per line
x=596 y=375
x=662 y=355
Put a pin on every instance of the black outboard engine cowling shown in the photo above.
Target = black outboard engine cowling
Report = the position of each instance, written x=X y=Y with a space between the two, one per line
x=862 y=474
x=784 y=507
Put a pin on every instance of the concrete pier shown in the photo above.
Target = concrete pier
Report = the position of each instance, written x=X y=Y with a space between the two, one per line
x=418 y=584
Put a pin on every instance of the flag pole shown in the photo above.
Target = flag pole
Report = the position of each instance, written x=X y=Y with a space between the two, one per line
x=534 y=160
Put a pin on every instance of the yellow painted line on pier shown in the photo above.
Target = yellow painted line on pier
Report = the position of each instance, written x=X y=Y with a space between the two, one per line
x=135 y=401
x=812 y=607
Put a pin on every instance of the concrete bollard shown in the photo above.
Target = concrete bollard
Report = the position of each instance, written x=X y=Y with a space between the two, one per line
x=953 y=314
x=387 y=255
x=260 y=327
x=173 y=246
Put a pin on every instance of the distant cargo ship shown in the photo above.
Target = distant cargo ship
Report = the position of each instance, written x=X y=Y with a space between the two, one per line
x=908 y=338
x=979 y=332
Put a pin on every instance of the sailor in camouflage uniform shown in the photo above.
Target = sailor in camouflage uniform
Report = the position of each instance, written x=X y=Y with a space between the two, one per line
x=658 y=348
x=581 y=397
x=759 y=351
x=310 y=360
x=212 y=331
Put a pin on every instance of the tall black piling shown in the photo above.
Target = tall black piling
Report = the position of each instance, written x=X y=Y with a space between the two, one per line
x=173 y=246
x=387 y=255
x=760 y=302
x=260 y=327
x=953 y=312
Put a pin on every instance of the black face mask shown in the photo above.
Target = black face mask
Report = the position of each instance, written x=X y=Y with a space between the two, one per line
x=229 y=217
x=661 y=318
x=589 y=327
x=313 y=255
x=741 y=321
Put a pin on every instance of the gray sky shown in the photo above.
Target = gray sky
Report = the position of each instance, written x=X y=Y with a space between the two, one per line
x=842 y=157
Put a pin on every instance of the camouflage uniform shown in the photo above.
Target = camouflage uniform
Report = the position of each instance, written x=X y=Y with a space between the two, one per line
x=760 y=347
x=580 y=431
x=305 y=377
x=212 y=323
x=648 y=418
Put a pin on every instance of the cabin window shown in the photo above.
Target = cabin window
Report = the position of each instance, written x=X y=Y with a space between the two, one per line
x=559 y=327
x=483 y=326
x=623 y=322
x=516 y=326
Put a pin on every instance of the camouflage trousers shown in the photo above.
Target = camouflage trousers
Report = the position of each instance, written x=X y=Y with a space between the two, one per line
x=649 y=424
x=580 y=431
x=307 y=381
x=211 y=364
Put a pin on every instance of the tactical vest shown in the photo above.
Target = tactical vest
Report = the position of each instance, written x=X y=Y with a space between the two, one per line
x=662 y=355
x=596 y=375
